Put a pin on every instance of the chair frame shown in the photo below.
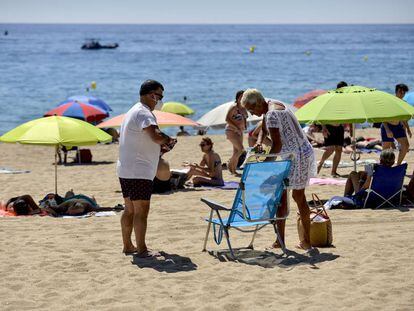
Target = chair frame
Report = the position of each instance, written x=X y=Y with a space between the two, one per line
x=216 y=207
x=385 y=201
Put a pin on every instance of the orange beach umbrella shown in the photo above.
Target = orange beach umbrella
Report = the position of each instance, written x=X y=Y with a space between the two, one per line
x=164 y=119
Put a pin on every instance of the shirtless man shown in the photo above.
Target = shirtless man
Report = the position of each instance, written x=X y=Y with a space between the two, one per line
x=397 y=130
x=208 y=172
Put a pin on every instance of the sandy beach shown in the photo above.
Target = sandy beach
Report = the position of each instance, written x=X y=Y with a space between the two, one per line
x=68 y=264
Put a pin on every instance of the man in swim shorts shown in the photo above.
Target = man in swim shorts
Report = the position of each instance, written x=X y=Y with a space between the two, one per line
x=139 y=149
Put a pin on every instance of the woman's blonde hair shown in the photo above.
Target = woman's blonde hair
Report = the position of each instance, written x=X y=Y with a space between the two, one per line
x=251 y=96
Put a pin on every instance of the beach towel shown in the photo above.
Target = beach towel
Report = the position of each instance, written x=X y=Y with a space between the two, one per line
x=228 y=185
x=96 y=214
x=342 y=164
x=6 y=170
x=338 y=201
x=327 y=181
x=366 y=150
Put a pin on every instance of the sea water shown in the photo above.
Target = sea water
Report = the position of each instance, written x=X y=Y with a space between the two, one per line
x=42 y=65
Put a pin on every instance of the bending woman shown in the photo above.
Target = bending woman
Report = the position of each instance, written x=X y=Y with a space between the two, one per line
x=236 y=124
x=287 y=137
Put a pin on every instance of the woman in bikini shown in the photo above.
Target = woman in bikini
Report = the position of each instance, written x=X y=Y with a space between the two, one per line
x=208 y=172
x=236 y=124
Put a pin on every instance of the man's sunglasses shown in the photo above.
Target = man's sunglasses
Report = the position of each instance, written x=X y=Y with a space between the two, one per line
x=160 y=96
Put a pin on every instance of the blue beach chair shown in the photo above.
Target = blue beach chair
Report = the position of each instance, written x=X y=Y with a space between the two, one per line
x=386 y=186
x=256 y=202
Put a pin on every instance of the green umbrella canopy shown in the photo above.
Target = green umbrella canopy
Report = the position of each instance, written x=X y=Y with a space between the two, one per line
x=177 y=108
x=56 y=131
x=354 y=104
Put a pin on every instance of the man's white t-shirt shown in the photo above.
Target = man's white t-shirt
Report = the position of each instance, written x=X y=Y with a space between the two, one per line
x=138 y=153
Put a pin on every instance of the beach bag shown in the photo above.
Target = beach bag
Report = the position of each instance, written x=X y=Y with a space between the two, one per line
x=321 y=234
x=85 y=156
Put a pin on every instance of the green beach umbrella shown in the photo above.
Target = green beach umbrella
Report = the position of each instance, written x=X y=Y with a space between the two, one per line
x=56 y=131
x=354 y=104
x=177 y=108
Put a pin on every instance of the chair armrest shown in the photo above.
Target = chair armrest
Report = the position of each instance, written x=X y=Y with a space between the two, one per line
x=214 y=205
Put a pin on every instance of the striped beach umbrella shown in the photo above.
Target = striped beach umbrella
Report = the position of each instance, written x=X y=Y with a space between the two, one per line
x=78 y=110
x=94 y=101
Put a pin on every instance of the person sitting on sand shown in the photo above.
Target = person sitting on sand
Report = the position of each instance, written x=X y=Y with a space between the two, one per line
x=182 y=132
x=209 y=171
x=254 y=134
x=162 y=179
x=361 y=180
x=310 y=134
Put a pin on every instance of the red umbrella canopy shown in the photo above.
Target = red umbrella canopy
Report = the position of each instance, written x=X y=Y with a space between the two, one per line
x=78 y=110
x=305 y=98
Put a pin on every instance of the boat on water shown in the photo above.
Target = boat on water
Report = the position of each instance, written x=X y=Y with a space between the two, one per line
x=93 y=44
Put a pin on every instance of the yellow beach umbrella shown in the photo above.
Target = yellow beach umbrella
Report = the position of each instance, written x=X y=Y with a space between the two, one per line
x=56 y=131
x=177 y=108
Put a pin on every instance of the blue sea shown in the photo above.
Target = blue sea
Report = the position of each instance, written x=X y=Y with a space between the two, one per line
x=42 y=65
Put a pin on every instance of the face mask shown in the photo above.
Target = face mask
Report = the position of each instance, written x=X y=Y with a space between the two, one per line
x=159 y=105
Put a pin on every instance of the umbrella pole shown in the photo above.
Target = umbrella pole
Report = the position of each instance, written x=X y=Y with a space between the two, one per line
x=56 y=151
x=354 y=146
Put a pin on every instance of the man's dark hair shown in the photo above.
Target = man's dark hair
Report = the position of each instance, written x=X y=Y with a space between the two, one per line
x=341 y=84
x=403 y=87
x=149 y=86
x=239 y=94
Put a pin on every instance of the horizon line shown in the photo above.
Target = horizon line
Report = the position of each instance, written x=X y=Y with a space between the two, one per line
x=207 y=24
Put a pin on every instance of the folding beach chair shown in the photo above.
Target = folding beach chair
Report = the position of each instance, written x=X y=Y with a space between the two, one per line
x=386 y=186
x=256 y=202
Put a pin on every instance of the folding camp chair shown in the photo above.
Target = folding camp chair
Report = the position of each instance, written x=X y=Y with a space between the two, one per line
x=256 y=202
x=386 y=186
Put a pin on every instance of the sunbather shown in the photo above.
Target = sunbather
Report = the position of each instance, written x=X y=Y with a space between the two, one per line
x=23 y=205
x=162 y=179
x=362 y=179
x=208 y=172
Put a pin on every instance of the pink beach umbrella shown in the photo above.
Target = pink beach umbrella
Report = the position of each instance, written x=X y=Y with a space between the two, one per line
x=305 y=98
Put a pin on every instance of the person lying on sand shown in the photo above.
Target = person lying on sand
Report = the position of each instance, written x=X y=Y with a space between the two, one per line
x=209 y=171
x=54 y=205
x=23 y=205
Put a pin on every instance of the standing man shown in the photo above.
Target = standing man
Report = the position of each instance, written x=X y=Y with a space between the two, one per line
x=140 y=144
x=397 y=130
x=333 y=141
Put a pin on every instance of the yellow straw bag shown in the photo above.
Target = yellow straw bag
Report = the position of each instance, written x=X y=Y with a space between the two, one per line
x=321 y=225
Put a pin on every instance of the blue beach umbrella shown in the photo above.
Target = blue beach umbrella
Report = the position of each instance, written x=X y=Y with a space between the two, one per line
x=409 y=98
x=89 y=100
